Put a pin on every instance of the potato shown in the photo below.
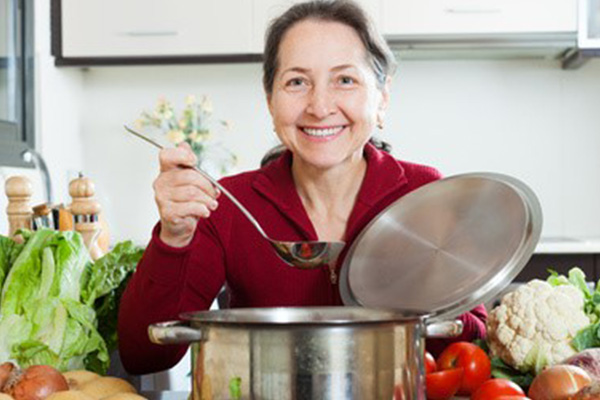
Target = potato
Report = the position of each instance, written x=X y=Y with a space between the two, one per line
x=80 y=377
x=4 y=396
x=69 y=395
x=125 y=396
x=107 y=386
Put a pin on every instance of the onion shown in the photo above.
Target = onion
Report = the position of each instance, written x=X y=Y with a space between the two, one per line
x=7 y=369
x=558 y=382
x=36 y=383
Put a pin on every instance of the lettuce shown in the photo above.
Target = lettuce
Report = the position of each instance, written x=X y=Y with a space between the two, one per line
x=57 y=307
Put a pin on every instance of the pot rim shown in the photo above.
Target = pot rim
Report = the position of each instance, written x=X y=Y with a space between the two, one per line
x=301 y=316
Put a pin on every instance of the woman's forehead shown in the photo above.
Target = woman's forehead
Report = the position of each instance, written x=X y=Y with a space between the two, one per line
x=316 y=43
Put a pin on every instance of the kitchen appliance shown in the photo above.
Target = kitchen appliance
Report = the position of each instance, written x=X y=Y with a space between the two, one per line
x=464 y=238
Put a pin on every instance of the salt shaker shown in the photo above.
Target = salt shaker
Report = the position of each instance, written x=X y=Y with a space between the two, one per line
x=18 y=190
x=85 y=210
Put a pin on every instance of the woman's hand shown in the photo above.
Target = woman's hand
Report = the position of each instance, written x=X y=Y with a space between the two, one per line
x=182 y=195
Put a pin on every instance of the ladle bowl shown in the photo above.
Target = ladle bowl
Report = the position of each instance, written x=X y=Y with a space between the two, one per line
x=302 y=255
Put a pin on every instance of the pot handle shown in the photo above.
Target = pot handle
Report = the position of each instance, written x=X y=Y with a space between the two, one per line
x=174 y=332
x=443 y=329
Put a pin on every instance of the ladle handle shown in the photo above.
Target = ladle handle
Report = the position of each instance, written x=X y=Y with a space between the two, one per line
x=234 y=200
x=211 y=180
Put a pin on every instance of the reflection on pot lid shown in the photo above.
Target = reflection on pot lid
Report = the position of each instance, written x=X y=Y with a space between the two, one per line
x=445 y=247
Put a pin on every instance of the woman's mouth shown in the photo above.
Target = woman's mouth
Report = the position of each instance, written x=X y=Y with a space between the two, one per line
x=327 y=132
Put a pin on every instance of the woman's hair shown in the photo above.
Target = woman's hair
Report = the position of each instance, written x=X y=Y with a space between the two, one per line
x=346 y=12
x=343 y=11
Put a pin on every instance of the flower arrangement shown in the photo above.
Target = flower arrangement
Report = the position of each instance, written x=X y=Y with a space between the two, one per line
x=194 y=126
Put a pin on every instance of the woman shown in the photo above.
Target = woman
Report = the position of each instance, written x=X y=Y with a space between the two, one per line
x=326 y=77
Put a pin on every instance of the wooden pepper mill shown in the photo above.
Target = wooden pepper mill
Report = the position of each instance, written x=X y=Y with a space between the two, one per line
x=18 y=190
x=86 y=211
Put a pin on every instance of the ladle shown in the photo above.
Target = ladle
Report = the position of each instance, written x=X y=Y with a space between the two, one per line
x=303 y=255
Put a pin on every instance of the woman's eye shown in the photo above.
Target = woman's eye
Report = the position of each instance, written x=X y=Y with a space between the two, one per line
x=295 y=82
x=347 y=80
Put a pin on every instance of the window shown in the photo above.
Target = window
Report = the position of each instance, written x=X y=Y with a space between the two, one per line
x=16 y=81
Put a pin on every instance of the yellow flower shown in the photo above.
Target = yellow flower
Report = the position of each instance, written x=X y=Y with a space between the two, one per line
x=206 y=106
x=190 y=100
x=175 y=136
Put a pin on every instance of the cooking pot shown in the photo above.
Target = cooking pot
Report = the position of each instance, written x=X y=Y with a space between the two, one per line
x=431 y=255
x=305 y=353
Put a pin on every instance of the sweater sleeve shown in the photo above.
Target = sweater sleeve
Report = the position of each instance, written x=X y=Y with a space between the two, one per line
x=473 y=328
x=167 y=282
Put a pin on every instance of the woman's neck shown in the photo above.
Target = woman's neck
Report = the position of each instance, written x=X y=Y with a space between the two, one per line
x=328 y=195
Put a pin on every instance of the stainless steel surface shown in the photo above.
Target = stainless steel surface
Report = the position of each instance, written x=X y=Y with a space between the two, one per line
x=443 y=329
x=303 y=255
x=308 y=353
x=445 y=247
x=173 y=332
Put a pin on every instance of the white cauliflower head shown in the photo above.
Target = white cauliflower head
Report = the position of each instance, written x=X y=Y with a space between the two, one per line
x=534 y=325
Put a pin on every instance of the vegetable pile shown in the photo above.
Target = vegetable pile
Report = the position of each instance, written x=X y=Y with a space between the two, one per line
x=43 y=382
x=57 y=307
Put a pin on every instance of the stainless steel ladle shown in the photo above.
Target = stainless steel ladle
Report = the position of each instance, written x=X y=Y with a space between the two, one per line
x=303 y=255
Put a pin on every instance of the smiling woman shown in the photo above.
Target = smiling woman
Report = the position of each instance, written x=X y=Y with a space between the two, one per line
x=16 y=81
x=326 y=76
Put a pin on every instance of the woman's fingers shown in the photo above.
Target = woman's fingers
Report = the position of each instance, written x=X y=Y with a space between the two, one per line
x=178 y=157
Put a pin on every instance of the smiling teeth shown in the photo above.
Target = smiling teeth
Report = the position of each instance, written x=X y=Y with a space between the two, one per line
x=322 y=132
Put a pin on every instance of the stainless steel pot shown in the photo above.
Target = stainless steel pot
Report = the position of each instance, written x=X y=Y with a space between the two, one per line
x=304 y=353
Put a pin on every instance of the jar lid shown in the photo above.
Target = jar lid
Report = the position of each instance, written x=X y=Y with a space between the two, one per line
x=444 y=248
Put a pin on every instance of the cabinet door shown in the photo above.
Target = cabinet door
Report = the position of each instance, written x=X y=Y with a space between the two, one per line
x=420 y=17
x=265 y=10
x=117 y=28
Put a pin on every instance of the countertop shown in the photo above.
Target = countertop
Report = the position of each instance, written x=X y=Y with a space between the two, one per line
x=568 y=245
x=176 y=395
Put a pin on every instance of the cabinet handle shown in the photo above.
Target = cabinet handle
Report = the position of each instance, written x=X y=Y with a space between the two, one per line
x=149 y=33
x=469 y=10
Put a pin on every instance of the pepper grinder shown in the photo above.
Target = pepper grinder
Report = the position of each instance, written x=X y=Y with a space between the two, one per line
x=85 y=210
x=18 y=190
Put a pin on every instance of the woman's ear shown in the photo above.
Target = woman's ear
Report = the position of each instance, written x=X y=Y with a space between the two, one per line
x=385 y=99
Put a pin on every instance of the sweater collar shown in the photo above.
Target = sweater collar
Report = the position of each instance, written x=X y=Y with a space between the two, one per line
x=384 y=175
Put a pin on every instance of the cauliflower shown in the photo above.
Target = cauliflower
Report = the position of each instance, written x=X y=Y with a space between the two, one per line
x=534 y=325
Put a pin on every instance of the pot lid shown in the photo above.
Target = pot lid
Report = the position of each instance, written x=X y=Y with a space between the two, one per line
x=445 y=247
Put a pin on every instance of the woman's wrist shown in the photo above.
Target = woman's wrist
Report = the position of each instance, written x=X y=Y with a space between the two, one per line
x=177 y=241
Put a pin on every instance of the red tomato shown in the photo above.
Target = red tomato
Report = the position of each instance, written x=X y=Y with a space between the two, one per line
x=512 y=398
x=496 y=388
x=473 y=359
x=443 y=385
x=430 y=365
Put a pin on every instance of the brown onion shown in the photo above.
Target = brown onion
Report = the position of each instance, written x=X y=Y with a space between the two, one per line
x=7 y=369
x=558 y=382
x=36 y=383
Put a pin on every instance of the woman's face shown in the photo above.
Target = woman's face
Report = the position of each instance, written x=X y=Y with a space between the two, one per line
x=325 y=101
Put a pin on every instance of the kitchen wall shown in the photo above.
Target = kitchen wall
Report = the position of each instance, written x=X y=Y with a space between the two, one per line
x=529 y=119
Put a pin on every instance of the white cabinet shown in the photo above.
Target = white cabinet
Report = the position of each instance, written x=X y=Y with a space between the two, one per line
x=132 y=28
x=265 y=10
x=457 y=17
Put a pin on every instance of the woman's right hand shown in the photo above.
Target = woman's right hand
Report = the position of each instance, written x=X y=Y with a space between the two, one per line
x=182 y=195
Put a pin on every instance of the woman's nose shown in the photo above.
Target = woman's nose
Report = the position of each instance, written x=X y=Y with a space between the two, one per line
x=321 y=103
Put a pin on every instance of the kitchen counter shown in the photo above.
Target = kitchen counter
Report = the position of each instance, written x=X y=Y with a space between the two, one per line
x=568 y=245
x=177 y=395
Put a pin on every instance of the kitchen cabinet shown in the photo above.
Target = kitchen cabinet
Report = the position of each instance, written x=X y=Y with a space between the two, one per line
x=460 y=17
x=106 y=32
x=101 y=29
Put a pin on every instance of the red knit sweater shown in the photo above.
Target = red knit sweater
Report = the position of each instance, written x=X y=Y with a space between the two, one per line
x=227 y=249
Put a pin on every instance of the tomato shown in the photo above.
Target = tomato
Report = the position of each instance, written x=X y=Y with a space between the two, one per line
x=443 y=385
x=430 y=365
x=473 y=359
x=514 y=397
x=496 y=388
